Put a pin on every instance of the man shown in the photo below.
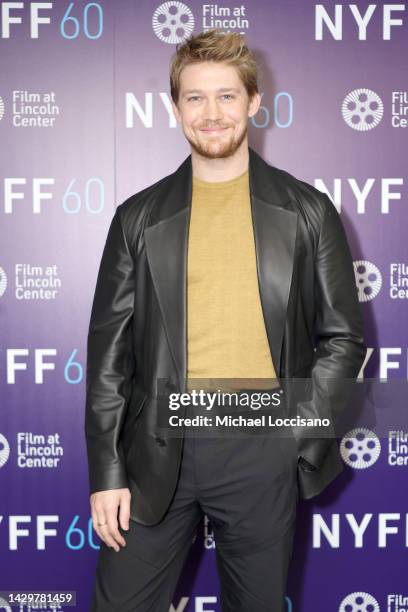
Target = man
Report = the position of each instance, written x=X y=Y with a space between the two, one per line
x=259 y=261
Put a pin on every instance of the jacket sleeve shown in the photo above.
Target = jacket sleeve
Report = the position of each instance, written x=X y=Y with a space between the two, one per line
x=339 y=336
x=110 y=361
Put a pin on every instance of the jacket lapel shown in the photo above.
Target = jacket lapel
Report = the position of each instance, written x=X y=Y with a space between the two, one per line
x=166 y=240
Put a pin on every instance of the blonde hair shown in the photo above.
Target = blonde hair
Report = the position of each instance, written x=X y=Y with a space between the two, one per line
x=214 y=46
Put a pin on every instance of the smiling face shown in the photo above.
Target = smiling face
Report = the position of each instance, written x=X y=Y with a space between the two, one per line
x=213 y=108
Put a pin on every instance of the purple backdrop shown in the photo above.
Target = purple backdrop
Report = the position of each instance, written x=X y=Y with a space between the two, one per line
x=85 y=121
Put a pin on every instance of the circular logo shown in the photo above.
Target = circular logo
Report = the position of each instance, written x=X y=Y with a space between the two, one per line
x=4 y=450
x=362 y=109
x=368 y=280
x=359 y=602
x=4 y=605
x=172 y=22
x=1 y=108
x=3 y=281
x=360 y=448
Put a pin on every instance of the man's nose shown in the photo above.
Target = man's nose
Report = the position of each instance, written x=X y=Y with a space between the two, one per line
x=212 y=110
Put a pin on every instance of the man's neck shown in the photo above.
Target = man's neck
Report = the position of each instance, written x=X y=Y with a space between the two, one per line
x=221 y=169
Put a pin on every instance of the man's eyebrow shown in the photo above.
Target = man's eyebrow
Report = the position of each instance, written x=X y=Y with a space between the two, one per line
x=220 y=90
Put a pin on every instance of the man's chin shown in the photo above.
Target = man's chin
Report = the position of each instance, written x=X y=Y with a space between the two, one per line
x=218 y=147
x=215 y=151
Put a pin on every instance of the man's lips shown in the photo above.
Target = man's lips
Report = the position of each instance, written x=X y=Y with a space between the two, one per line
x=211 y=130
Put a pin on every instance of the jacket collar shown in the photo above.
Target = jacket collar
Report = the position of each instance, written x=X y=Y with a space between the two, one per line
x=265 y=184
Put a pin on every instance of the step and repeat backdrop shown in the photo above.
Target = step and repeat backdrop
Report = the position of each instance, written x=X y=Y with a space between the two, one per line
x=86 y=121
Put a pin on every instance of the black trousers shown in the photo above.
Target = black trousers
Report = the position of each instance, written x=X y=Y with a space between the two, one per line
x=247 y=487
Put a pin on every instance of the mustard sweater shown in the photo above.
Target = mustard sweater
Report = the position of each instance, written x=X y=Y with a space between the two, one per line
x=226 y=335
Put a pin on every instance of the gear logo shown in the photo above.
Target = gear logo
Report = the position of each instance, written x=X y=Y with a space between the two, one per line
x=3 y=281
x=4 y=605
x=359 y=602
x=368 y=280
x=4 y=450
x=172 y=22
x=360 y=449
x=362 y=109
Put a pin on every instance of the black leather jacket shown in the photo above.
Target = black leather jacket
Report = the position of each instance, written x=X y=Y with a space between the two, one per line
x=137 y=330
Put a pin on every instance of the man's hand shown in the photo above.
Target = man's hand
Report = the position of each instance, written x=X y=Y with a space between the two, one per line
x=104 y=508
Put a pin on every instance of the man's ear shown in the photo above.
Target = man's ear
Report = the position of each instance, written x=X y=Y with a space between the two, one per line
x=254 y=104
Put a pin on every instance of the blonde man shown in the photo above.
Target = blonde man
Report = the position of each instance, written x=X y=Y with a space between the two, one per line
x=228 y=268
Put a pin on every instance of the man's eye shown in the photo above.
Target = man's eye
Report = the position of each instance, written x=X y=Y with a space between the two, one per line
x=227 y=96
